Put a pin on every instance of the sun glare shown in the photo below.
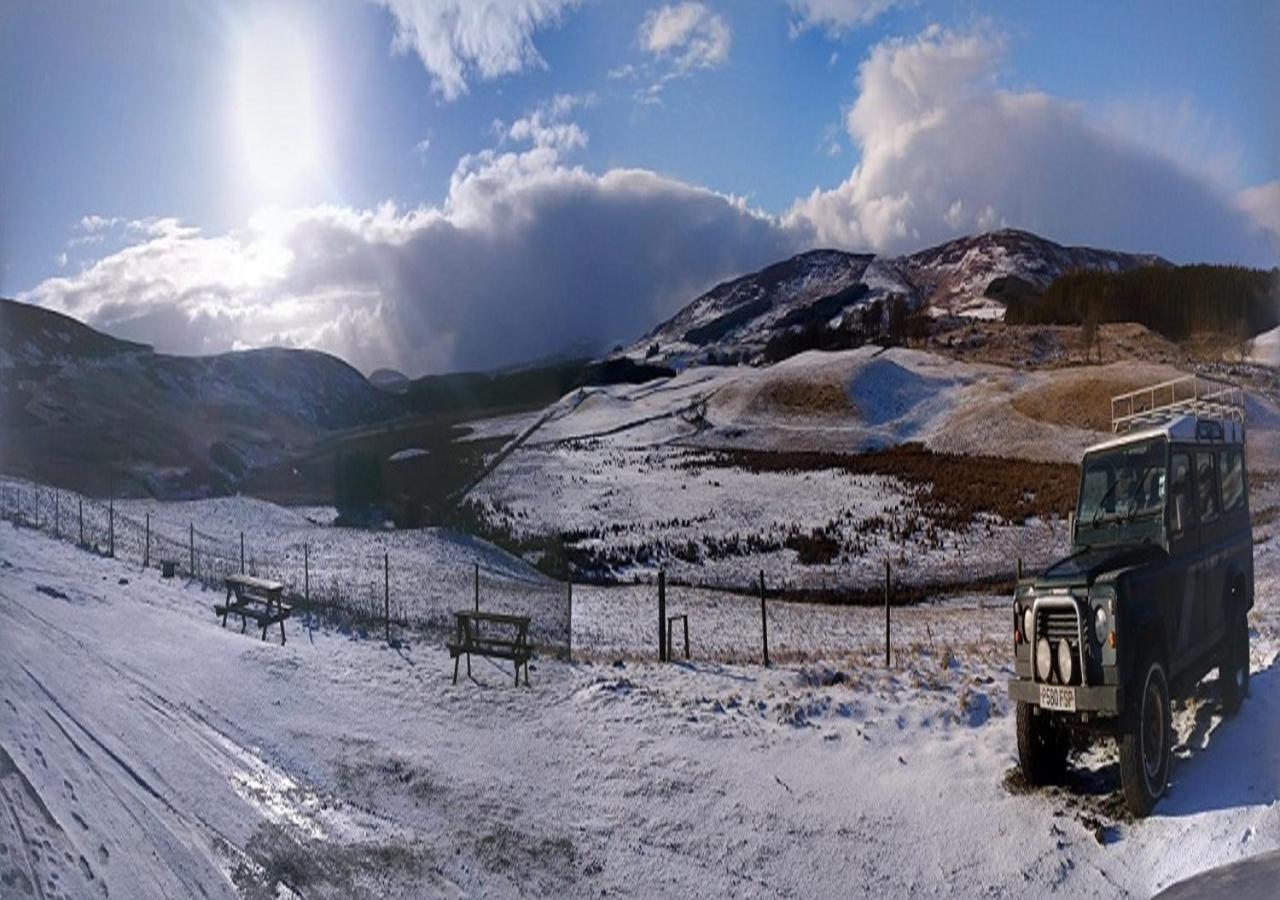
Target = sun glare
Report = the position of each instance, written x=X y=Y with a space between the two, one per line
x=276 y=108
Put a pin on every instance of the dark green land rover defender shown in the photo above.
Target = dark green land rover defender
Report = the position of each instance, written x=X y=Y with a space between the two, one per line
x=1154 y=594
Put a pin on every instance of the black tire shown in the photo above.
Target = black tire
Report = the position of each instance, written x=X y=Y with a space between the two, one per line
x=1233 y=671
x=1147 y=742
x=1042 y=747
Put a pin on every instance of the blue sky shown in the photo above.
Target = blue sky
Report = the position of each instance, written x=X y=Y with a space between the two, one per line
x=384 y=179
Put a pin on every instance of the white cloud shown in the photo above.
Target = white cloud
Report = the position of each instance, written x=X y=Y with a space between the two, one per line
x=92 y=223
x=457 y=40
x=836 y=16
x=526 y=257
x=1179 y=129
x=547 y=125
x=689 y=34
x=944 y=150
x=681 y=39
x=1262 y=203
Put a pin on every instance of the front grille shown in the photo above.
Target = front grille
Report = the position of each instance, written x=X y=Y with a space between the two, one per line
x=1060 y=625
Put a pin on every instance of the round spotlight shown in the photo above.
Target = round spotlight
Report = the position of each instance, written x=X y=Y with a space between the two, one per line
x=1064 y=662
x=1028 y=625
x=1044 y=659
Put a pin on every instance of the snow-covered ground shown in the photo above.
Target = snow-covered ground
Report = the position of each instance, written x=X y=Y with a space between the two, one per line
x=144 y=751
x=1266 y=348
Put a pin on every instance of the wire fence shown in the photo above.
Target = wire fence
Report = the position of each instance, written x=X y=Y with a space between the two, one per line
x=374 y=580
x=356 y=581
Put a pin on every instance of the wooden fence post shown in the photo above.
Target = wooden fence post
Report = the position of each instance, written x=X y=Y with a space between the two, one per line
x=191 y=545
x=146 y=553
x=80 y=502
x=242 y=553
x=477 y=585
x=386 y=595
x=764 y=622
x=57 y=519
x=886 y=614
x=306 y=575
x=662 y=615
x=111 y=525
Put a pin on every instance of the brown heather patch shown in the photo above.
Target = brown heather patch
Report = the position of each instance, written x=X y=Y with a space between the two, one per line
x=950 y=489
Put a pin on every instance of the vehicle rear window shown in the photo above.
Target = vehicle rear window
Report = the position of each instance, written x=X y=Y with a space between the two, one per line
x=1231 y=466
x=1206 y=485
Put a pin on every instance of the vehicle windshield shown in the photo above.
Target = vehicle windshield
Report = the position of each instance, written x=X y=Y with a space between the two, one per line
x=1122 y=484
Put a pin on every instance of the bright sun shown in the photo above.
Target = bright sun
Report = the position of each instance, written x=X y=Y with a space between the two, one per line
x=276 y=112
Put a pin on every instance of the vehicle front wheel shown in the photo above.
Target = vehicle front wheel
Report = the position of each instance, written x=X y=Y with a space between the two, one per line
x=1146 y=744
x=1233 y=671
x=1042 y=747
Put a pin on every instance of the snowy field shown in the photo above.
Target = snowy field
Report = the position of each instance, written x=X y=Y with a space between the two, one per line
x=144 y=751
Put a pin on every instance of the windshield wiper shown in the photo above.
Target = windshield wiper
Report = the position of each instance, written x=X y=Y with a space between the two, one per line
x=1102 y=503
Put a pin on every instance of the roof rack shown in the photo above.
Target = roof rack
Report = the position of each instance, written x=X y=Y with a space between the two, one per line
x=1190 y=395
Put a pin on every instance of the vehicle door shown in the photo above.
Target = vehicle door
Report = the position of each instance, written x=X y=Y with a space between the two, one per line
x=1210 y=567
x=1184 y=542
x=1237 y=537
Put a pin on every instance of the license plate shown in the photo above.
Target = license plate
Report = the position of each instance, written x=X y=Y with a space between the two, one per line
x=1059 y=699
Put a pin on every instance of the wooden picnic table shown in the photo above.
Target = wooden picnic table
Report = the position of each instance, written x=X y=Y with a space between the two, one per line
x=254 y=598
x=474 y=633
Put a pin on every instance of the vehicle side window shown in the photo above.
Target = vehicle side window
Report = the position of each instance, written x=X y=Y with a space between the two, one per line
x=1206 y=485
x=1231 y=466
x=1180 y=488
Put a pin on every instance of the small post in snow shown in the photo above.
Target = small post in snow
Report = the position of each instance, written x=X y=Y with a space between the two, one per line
x=57 y=521
x=242 y=553
x=306 y=574
x=662 y=615
x=1019 y=569
x=80 y=502
x=886 y=614
x=476 y=567
x=386 y=595
x=569 y=588
x=191 y=545
x=764 y=622
x=111 y=525
x=146 y=553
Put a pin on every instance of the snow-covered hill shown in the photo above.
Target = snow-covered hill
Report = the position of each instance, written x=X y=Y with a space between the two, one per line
x=829 y=289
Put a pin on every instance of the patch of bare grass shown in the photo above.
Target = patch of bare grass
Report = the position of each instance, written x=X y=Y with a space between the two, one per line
x=1078 y=400
x=800 y=397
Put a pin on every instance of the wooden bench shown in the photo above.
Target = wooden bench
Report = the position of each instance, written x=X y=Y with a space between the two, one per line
x=474 y=633
x=257 y=599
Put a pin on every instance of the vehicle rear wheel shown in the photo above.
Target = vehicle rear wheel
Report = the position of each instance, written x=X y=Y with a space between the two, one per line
x=1233 y=671
x=1042 y=746
x=1146 y=744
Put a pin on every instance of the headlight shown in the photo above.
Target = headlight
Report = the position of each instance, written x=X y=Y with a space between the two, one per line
x=1101 y=622
x=1064 y=662
x=1044 y=659
x=1028 y=625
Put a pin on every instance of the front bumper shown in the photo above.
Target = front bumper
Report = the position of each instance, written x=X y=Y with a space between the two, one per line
x=1104 y=699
